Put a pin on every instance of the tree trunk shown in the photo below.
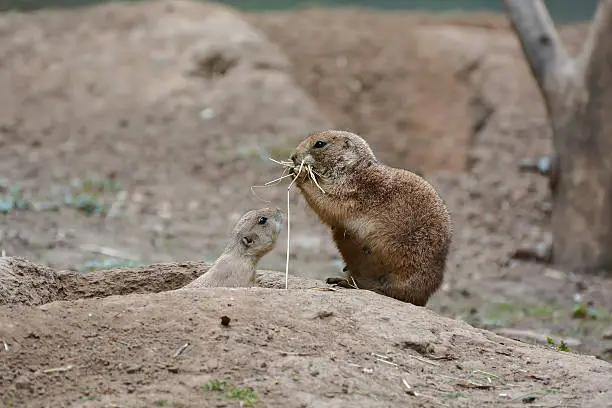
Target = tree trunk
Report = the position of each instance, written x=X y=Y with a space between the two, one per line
x=578 y=97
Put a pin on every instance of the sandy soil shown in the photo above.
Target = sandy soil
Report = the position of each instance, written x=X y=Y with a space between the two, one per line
x=328 y=349
x=137 y=131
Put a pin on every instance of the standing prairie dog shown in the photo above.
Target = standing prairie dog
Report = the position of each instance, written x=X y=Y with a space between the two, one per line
x=390 y=226
x=253 y=236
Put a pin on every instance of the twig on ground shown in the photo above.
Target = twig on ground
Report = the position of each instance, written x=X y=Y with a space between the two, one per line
x=487 y=374
x=294 y=353
x=409 y=389
x=387 y=362
x=474 y=384
x=58 y=369
x=424 y=360
x=180 y=350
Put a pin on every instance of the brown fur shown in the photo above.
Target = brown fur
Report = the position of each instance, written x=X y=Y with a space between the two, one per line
x=390 y=225
x=249 y=242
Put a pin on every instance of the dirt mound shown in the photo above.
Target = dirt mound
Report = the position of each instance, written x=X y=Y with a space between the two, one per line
x=175 y=107
x=23 y=282
x=329 y=349
x=26 y=283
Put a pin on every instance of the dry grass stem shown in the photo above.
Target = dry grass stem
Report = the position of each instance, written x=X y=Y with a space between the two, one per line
x=297 y=175
x=288 y=238
x=270 y=183
x=433 y=363
x=289 y=224
x=330 y=289
x=58 y=369
x=258 y=197
x=282 y=162
x=314 y=179
x=5 y=346
x=288 y=165
x=300 y=354
x=180 y=350
x=477 y=385
x=487 y=374
x=284 y=176
x=384 y=359
x=380 y=356
x=387 y=362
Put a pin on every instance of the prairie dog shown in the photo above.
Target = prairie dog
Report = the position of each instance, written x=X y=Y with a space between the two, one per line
x=390 y=225
x=253 y=236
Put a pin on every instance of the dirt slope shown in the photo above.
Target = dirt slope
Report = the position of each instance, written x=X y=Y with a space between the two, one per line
x=325 y=350
x=135 y=131
x=309 y=346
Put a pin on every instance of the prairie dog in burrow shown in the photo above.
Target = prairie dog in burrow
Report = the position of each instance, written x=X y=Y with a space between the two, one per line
x=253 y=236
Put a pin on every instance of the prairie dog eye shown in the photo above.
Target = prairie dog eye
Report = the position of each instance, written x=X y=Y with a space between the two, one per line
x=319 y=144
x=262 y=220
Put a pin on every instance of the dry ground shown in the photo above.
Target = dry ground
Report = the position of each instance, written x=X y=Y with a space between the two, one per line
x=326 y=349
x=136 y=131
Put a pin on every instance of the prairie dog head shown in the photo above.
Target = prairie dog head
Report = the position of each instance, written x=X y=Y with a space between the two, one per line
x=256 y=232
x=331 y=154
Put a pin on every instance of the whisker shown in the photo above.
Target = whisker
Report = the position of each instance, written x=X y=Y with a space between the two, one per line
x=315 y=172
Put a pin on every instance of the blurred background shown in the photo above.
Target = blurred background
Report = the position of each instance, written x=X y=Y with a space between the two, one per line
x=561 y=10
x=133 y=133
